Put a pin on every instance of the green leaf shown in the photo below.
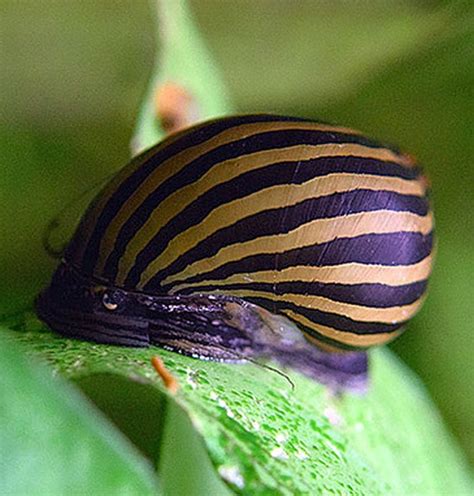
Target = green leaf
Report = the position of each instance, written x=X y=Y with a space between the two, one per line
x=53 y=442
x=264 y=437
x=183 y=59
x=298 y=61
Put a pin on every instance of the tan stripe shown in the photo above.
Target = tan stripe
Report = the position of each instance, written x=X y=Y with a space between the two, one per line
x=349 y=273
x=390 y=315
x=175 y=163
x=347 y=338
x=230 y=169
x=315 y=232
x=266 y=199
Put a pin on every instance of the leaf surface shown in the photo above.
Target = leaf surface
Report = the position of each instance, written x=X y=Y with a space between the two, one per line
x=52 y=441
x=263 y=437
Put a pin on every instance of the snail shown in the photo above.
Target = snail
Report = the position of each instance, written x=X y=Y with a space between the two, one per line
x=208 y=241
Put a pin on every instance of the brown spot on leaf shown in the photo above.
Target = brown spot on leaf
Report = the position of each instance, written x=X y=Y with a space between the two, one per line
x=175 y=107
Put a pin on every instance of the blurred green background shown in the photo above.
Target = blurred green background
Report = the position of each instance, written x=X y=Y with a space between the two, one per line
x=73 y=73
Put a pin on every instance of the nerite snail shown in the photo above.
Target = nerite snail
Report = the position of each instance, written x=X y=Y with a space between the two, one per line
x=189 y=244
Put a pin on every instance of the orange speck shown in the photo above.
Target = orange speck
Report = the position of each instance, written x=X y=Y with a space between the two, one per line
x=170 y=382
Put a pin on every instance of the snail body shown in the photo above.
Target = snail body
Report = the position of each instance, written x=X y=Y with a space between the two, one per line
x=200 y=239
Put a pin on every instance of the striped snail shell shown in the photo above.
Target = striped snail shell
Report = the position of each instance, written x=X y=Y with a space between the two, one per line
x=200 y=239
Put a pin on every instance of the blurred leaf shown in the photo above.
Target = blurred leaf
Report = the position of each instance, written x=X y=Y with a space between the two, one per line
x=184 y=465
x=262 y=436
x=73 y=75
x=183 y=60
x=297 y=60
x=53 y=442
x=159 y=428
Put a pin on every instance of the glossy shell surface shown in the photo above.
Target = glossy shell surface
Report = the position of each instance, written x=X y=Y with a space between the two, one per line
x=311 y=221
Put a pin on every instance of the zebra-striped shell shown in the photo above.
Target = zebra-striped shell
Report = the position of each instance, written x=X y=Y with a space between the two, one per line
x=311 y=221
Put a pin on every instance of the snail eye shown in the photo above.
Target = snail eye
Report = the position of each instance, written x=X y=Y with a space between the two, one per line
x=108 y=302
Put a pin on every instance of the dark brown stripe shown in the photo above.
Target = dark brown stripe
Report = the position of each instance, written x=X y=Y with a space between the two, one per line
x=370 y=295
x=400 y=248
